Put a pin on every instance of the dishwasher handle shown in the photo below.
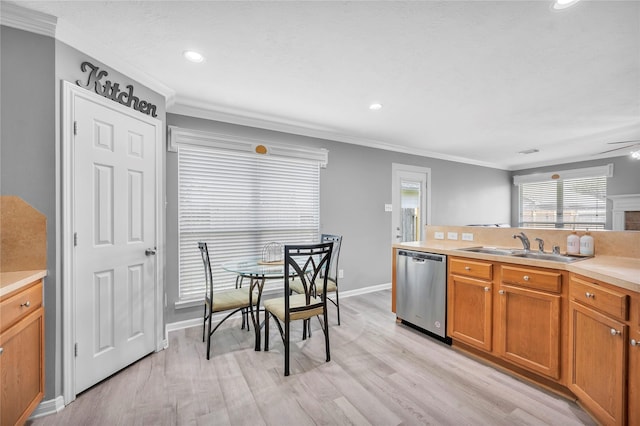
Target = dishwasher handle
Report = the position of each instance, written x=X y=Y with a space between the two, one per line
x=421 y=257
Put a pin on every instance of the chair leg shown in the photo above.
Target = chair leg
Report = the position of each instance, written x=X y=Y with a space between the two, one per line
x=326 y=335
x=304 y=329
x=209 y=335
x=266 y=331
x=338 y=306
x=286 y=346
x=204 y=321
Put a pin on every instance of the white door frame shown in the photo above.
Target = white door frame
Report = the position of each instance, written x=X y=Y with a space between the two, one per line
x=396 y=169
x=69 y=93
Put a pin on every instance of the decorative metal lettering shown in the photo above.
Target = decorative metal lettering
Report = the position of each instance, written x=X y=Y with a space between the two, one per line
x=112 y=90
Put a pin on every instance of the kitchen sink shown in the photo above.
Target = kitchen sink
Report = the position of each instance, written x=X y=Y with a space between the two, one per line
x=513 y=252
x=493 y=250
x=549 y=256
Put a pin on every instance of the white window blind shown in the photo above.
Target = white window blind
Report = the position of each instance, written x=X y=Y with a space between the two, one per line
x=237 y=202
x=568 y=203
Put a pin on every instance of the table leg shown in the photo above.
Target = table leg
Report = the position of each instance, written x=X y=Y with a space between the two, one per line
x=255 y=313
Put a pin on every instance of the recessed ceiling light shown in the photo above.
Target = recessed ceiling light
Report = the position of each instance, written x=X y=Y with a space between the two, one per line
x=563 y=4
x=375 y=106
x=193 y=56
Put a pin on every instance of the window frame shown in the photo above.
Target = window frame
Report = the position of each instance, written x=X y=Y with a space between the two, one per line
x=202 y=148
x=558 y=180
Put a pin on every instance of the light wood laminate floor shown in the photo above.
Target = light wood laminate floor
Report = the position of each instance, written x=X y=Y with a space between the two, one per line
x=380 y=373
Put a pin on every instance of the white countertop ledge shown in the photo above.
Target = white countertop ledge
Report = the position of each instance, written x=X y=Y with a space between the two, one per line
x=13 y=281
x=623 y=272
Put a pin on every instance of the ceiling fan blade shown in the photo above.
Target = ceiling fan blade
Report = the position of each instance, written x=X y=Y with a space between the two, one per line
x=618 y=149
x=634 y=142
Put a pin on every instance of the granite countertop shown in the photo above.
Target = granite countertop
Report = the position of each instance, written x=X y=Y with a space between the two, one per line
x=11 y=282
x=623 y=272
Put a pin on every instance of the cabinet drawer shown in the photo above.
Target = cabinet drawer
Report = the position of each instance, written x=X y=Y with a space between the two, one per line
x=608 y=301
x=533 y=278
x=20 y=305
x=471 y=268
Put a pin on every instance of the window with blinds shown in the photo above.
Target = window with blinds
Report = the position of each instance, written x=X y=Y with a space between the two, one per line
x=567 y=203
x=237 y=202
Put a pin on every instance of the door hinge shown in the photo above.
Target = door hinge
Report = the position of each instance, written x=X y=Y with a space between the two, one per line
x=75 y=239
x=75 y=349
x=75 y=128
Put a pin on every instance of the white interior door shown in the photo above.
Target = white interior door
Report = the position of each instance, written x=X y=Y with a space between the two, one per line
x=114 y=219
x=410 y=202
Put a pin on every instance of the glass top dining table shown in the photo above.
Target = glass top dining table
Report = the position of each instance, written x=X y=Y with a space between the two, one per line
x=257 y=272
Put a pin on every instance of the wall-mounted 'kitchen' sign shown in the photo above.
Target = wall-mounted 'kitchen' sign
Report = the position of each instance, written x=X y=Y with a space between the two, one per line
x=112 y=90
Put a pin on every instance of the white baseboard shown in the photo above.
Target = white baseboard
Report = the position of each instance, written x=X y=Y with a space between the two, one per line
x=365 y=290
x=197 y=322
x=50 y=406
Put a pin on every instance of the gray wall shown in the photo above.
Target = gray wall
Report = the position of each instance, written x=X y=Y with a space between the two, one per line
x=625 y=180
x=32 y=68
x=354 y=188
x=27 y=148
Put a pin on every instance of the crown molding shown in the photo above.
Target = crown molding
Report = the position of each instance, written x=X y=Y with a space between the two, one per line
x=194 y=108
x=12 y=15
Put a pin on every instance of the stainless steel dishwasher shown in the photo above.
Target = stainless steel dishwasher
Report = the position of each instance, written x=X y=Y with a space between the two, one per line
x=421 y=291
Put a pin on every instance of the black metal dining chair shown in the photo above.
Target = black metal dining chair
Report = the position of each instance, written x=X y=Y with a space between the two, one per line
x=309 y=264
x=333 y=275
x=234 y=300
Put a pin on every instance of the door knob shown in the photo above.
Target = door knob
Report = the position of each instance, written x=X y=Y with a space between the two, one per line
x=150 y=251
x=634 y=342
x=615 y=332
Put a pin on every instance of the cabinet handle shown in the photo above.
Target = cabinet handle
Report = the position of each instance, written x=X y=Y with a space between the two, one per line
x=1 y=350
x=467 y=268
x=615 y=332
x=526 y=278
x=487 y=289
x=26 y=304
x=633 y=342
x=590 y=295
x=500 y=291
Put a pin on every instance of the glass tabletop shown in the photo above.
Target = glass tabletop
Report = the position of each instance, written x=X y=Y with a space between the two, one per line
x=255 y=268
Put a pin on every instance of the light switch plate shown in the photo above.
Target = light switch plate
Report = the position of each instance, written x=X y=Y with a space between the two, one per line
x=452 y=235
x=439 y=235
x=388 y=207
x=466 y=236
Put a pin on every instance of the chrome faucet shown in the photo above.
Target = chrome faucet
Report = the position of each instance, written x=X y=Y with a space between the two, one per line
x=540 y=245
x=525 y=240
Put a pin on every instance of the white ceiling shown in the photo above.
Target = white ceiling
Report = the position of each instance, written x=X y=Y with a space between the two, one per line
x=472 y=81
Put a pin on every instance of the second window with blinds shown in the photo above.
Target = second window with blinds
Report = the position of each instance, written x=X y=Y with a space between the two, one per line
x=238 y=202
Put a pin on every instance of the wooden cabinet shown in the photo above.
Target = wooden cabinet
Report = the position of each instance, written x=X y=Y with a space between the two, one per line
x=21 y=353
x=598 y=348
x=530 y=319
x=633 y=401
x=520 y=323
x=470 y=302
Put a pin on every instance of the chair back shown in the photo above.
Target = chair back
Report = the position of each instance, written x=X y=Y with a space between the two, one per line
x=310 y=264
x=335 y=254
x=204 y=252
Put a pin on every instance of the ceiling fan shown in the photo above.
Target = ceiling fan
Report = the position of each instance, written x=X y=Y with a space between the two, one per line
x=627 y=145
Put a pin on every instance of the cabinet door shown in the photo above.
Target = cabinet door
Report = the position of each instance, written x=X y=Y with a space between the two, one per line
x=634 y=379
x=597 y=353
x=530 y=329
x=470 y=306
x=22 y=368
